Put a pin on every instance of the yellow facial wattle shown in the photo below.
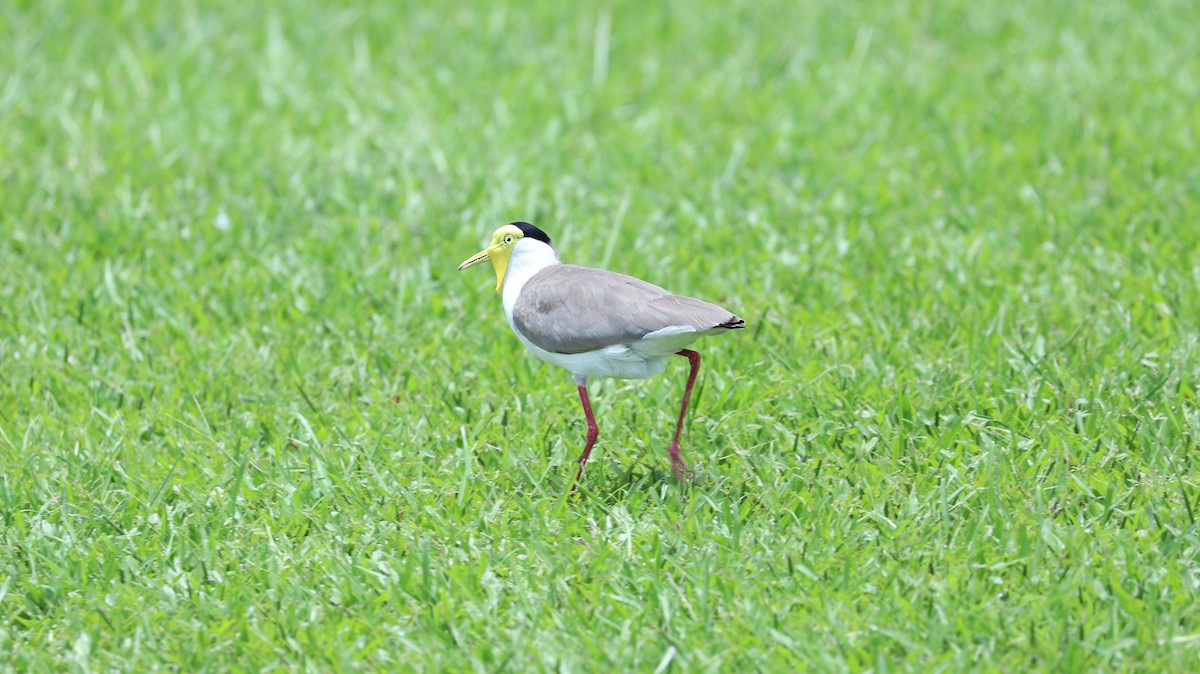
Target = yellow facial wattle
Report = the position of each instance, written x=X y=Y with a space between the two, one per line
x=498 y=252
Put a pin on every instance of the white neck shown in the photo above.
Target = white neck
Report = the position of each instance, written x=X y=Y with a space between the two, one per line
x=528 y=257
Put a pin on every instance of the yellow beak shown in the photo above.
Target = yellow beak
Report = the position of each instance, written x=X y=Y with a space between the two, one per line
x=499 y=260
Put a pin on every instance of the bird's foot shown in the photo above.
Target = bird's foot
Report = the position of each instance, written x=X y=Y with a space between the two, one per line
x=575 y=483
x=678 y=467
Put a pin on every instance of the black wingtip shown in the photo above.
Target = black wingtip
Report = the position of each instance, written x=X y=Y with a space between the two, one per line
x=734 y=323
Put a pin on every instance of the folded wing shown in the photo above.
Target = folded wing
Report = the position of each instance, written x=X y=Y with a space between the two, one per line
x=571 y=309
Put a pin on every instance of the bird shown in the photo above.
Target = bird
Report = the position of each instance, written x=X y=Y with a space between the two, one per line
x=596 y=323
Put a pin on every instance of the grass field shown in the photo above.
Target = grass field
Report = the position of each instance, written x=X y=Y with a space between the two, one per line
x=252 y=419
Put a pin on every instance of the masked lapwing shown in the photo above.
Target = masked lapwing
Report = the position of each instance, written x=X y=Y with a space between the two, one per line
x=596 y=323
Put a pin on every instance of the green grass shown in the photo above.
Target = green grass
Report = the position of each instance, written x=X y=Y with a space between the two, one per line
x=252 y=419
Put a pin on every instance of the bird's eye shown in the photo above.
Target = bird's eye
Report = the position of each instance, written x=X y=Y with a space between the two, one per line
x=508 y=239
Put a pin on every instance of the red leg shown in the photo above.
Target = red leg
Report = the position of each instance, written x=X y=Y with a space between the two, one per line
x=592 y=433
x=678 y=467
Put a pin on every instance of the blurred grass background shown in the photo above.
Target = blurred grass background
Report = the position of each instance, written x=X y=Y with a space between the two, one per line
x=251 y=417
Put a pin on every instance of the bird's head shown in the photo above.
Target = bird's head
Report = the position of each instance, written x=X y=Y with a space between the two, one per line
x=504 y=240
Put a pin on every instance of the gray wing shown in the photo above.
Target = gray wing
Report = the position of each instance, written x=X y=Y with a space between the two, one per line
x=565 y=308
